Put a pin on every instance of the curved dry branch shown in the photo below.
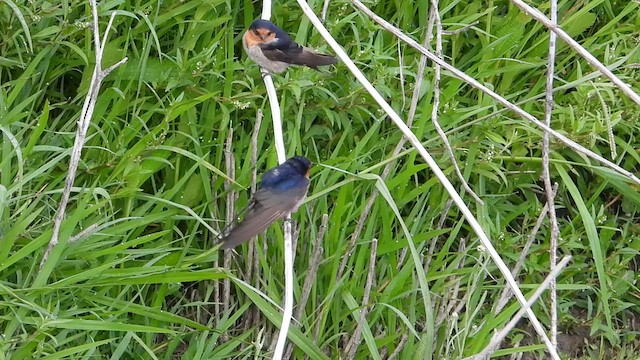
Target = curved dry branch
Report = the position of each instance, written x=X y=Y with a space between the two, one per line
x=436 y=106
x=83 y=124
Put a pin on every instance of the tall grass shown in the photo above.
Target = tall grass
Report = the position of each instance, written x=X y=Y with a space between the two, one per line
x=142 y=285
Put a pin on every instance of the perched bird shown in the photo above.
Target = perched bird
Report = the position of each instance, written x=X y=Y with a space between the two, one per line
x=282 y=190
x=272 y=48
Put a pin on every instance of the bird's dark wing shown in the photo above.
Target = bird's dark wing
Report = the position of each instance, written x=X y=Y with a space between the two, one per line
x=267 y=206
x=293 y=53
x=281 y=50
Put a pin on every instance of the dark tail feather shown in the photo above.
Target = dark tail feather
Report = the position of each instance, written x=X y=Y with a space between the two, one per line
x=255 y=223
x=227 y=230
x=313 y=59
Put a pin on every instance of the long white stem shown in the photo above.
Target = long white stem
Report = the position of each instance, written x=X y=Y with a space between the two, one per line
x=434 y=167
x=275 y=116
x=288 y=247
x=288 y=283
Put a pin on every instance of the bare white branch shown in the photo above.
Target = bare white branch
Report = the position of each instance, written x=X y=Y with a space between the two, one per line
x=350 y=350
x=230 y=168
x=436 y=106
x=278 y=138
x=553 y=26
x=83 y=126
x=288 y=281
x=546 y=177
x=108 y=70
x=252 y=251
x=325 y=8
x=314 y=263
x=106 y=34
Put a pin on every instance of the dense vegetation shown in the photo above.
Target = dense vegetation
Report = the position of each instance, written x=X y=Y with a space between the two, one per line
x=146 y=283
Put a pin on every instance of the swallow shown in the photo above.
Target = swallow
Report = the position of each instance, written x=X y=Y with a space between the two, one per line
x=272 y=48
x=282 y=190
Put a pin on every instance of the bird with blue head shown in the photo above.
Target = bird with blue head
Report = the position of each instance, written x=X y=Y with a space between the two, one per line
x=282 y=190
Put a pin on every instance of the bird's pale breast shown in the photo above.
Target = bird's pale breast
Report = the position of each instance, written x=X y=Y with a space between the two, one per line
x=255 y=53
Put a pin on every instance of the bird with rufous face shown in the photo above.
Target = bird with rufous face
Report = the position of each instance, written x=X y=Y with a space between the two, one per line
x=272 y=48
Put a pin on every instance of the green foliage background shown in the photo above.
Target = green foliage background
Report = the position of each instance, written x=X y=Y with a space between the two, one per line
x=153 y=174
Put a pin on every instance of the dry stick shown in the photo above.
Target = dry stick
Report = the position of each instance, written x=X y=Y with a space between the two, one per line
x=398 y=350
x=387 y=169
x=436 y=105
x=316 y=257
x=294 y=238
x=566 y=86
x=546 y=177
x=434 y=167
x=451 y=300
x=401 y=73
x=230 y=169
x=434 y=241
x=352 y=346
x=325 y=8
x=216 y=284
x=553 y=26
x=316 y=334
x=500 y=335
x=506 y=292
x=471 y=81
x=412 y=109
x=252 y=261
x=83 y=123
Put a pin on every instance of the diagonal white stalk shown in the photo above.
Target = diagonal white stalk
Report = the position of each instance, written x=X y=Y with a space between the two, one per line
x=434 y=167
